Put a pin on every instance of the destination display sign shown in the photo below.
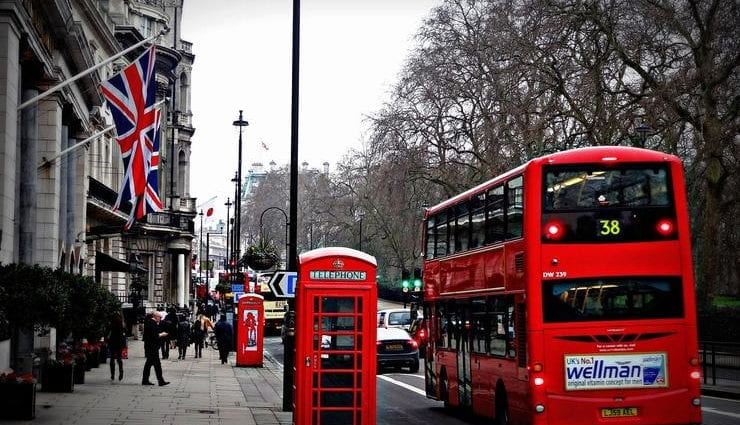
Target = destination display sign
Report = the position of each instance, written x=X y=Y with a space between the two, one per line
x=338 y=275
x=598 y=371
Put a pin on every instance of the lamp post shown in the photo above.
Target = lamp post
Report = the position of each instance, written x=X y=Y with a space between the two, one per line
x=644 y=131
x=287 y=223
x=227 y=258
x=362 y=215
x=241 y=123
x=234 y=240
x=208 y=255
x=200 y=250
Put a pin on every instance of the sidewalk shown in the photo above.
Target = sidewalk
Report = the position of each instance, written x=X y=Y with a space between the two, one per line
x=201 y=391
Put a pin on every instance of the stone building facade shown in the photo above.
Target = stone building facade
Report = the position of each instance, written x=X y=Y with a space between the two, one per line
x=60 y=171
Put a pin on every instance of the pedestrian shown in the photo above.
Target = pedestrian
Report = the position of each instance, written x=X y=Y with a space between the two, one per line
x=169 y=325
x=225 y=337
x=200 y=329
x=183 y=336
x=116 y=344
x=153 y=338
x=213 y=311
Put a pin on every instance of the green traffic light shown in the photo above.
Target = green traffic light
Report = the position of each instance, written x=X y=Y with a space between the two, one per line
x=417 y=283
x=405 y=283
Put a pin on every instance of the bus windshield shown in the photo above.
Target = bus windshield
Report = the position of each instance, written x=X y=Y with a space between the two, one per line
x=594 y=203
x=612 y=299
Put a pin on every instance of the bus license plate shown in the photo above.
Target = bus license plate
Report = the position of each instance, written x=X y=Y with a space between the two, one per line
x=618 y=412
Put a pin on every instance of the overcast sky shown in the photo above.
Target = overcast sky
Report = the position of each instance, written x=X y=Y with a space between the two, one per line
x=351 y=54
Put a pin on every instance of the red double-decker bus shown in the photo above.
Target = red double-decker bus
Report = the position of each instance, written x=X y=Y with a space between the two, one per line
x=562 y=292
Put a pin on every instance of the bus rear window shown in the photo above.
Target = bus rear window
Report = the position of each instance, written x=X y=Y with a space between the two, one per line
x=612 y=299
x=589 y=187
x=616 y=204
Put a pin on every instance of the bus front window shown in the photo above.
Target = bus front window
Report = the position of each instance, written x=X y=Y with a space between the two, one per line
x=612 y=299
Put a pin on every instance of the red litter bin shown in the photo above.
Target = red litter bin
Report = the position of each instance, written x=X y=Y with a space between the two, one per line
x=250 y=329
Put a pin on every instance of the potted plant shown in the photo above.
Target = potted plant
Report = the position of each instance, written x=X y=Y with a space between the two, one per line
x=17 y=396
x=57 y=376
x=261 y=255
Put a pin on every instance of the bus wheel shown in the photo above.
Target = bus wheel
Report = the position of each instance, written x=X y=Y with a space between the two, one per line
x=502 y=406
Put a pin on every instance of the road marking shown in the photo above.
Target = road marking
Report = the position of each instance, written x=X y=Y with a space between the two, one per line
x=720 y=412
x=402 y=385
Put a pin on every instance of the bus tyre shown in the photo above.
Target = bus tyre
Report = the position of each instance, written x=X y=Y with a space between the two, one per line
x=415 y=367
x=502 y=406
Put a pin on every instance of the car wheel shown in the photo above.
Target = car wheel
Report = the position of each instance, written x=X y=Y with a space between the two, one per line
x=415 y=367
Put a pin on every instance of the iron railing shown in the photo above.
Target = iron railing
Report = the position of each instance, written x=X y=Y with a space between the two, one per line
x=720 y=361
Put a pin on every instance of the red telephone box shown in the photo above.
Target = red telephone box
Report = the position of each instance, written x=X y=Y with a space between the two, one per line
x=250 y=325
x=335 y=350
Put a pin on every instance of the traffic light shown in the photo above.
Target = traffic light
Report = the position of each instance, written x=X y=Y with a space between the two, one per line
x=417 y=279
x=405 y=280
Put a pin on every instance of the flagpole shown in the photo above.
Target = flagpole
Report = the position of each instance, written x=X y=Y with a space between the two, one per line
x=82 y=143
x=94 y=68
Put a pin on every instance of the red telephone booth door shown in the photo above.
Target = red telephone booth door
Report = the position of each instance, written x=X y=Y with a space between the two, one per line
x=335 y=338
x=250 y=327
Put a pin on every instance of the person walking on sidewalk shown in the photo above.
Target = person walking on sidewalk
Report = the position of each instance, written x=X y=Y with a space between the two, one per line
x=152 y=341
x=116 y=344
x=183 y=336
x=225 y=337
x=200 y=329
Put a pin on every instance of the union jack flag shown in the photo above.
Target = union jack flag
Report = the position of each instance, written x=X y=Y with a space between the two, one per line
x=130 y=95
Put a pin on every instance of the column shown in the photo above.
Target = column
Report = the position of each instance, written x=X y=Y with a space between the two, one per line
x=181 y=287
x=9 y=151
x=27 y=196
x=49 y=182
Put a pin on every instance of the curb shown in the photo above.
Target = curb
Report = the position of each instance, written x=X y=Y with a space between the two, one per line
x=732 y=395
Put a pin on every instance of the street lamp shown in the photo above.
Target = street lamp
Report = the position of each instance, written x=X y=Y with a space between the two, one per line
x=200 y=250
x=241 y=123
x=228 y=207
x=208 y=255
x=644 y=131
x=234 y=240
x=287 y=223
x=362 y=215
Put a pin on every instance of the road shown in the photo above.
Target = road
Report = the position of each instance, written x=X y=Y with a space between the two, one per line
x=401 y=399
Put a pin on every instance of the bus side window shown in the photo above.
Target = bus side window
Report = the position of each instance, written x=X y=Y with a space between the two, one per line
x=498 y=334
x=510 y=332
x=514 y=207
x=495 y=215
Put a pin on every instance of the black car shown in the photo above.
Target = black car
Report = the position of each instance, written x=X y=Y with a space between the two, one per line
x=396 y=349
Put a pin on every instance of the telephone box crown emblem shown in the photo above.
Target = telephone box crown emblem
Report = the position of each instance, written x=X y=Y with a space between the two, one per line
x=338 y=263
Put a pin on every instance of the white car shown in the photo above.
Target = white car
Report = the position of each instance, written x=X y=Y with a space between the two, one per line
x=396 y=318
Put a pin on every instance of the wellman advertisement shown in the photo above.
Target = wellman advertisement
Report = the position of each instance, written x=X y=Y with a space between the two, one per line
x=599 y=371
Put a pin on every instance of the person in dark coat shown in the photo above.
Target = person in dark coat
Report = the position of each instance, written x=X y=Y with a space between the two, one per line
x=152 y=341
x=183 y=336
x=116 y=344
x=225 y=337
x=169 y=325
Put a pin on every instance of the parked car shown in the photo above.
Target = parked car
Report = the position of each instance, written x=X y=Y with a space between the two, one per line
x=395 y=318
x=418 y=331
x=396 y=349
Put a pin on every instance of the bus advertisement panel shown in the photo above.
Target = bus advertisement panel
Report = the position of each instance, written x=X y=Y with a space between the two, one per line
x=565 y=285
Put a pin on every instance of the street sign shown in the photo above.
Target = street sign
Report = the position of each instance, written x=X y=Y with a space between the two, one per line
x=283 y=284
x=237 y=287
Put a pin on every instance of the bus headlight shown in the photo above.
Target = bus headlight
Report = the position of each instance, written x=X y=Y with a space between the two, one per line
x=540 y=408
x=696 y=401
